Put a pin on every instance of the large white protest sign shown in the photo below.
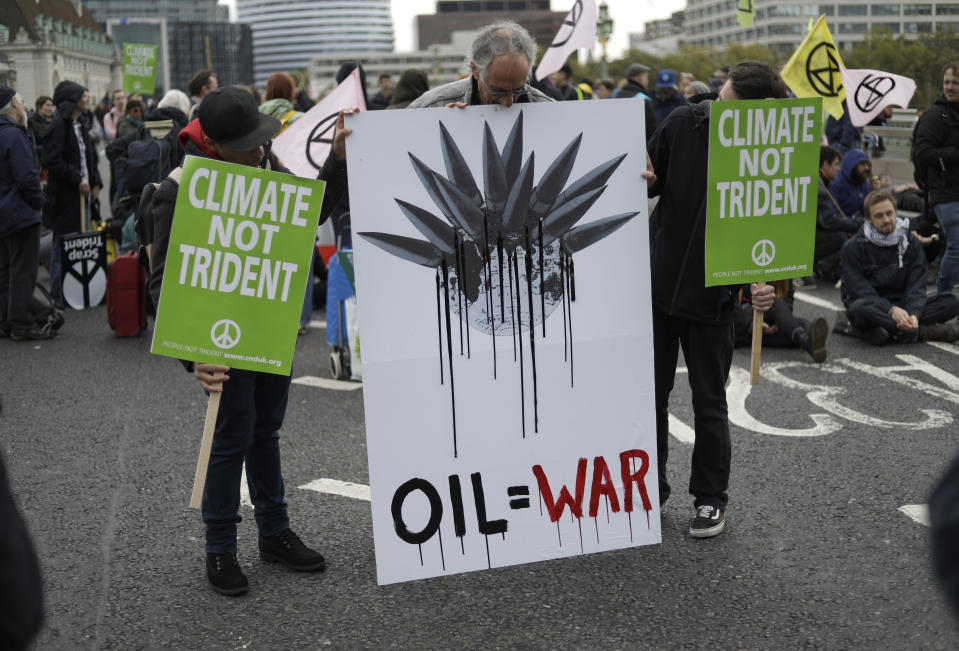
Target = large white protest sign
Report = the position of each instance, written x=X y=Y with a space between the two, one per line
x=304 y=145
x=538 y=441
x=577 y=31
x=870 y=91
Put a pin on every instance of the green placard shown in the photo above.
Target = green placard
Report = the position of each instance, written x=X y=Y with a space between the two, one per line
x=237 y=266
x=762 y=190
x=139 y=68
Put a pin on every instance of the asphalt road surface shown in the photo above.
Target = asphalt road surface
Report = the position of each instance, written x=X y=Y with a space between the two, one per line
x=825 y=545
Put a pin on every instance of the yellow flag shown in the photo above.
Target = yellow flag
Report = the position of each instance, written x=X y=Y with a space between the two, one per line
x=814 y=69
x=746 y=13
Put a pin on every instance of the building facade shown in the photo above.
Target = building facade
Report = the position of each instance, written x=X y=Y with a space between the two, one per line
x=463 y=15
x=172 y=10
x=44 y=42
x=287 y=33
x=783 y=25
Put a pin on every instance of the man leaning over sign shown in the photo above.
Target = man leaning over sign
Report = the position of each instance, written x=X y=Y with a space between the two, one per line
x=252 y=406
x=687 y=313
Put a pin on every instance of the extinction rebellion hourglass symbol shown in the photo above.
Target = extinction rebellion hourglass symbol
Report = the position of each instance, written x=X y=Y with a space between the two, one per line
x=503 y=256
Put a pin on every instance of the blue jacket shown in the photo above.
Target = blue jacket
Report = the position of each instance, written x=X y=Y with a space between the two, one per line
x=20 y=195
x=665 y=107
x=844 y=190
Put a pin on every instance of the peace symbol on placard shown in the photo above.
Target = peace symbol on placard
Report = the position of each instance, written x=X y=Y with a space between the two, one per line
x=871 y=91
x=763 y=252
x=822 y=70
x=564 y=34
x=225 y=334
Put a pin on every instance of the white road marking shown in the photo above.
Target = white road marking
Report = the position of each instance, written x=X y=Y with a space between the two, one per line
x=328 y=383
x=941 y=345
x=918 y=512
x=318 y=324
x=244 y=490
x=681 y=431
x=738 y=390
x=818 y=302
x=337 y=487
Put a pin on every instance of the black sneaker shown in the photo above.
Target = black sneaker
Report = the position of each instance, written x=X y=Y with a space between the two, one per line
x=876 y=335
x=815 y=343
x=35 y=333
x=225 y=575
x=709 y=522
x=287 y=549
x=55 y=320
x=939 y=332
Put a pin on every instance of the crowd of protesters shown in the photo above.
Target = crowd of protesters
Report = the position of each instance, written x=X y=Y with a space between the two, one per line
x=51 y=171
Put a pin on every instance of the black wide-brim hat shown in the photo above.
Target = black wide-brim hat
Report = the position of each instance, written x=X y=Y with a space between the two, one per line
x=229 y=116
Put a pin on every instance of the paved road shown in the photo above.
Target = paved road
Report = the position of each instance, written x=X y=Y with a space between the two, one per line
x=101 y=440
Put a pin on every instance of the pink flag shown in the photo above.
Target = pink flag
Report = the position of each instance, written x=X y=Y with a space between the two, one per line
x=870 y=91
x=304 y=145
x=577 y=31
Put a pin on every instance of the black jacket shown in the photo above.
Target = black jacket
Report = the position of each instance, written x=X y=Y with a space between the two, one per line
x=873 y=271
x=61 y=159
x=630 y=90
x=936 y=150
x=826 y=217
x=677 y=228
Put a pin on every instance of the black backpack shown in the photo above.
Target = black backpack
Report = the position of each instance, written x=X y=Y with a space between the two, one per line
x=143 y=220
x=148 y=161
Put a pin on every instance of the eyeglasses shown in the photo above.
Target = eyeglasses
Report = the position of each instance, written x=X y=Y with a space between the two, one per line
x=515 y=94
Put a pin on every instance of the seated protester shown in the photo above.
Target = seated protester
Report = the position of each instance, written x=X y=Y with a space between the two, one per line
x=926 y=229
x=833 y=227
x=852 y=184
x=884 y=282
x=131 y=119
x=841 y=134
x=780 y=328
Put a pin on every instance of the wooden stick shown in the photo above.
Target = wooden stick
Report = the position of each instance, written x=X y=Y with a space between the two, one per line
x=83 y=214
x=206 y=443
x=757 y=346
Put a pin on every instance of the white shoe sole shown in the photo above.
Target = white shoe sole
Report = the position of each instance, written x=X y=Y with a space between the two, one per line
x=708 y=533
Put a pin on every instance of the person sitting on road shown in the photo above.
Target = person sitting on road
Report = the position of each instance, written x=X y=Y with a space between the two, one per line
x=884 y=282
x=833 y=226
x=852 y=184
x=780 y=328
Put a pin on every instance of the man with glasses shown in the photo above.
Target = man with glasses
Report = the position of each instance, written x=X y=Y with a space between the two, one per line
x=500 y=62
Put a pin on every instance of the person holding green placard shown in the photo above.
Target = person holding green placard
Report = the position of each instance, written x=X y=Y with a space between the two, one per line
x=685 y=312
x=252 y=405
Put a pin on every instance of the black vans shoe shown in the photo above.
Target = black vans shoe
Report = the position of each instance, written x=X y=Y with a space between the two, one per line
x=225 y=575
x=709 y=522
x=287 y=549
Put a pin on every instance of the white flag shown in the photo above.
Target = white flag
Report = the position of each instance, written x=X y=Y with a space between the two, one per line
x=304 y=145
x=870 y=91
x=577 y=31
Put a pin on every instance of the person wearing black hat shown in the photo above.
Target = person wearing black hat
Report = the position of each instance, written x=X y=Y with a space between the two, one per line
x=71 y=163
x=252 y=405
x=21 y=316
x=637 y=77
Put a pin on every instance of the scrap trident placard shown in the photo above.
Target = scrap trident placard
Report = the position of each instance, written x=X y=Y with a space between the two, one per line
x=502 y=271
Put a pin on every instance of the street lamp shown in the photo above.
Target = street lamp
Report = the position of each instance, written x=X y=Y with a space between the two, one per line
x=604 y=27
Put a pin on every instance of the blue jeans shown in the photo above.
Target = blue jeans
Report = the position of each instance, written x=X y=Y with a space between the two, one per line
x=948 y=214
x=56 y=281
x=251 y=413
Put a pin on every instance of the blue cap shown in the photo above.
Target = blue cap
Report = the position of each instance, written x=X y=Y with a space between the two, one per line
x=665 y=79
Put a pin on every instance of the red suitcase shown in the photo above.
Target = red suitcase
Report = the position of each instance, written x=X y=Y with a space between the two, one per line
x=127 y=296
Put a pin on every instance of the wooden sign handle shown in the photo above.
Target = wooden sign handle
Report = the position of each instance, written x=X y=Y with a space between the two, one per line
x=83 y=214
x=757 y=347
x=206 y=443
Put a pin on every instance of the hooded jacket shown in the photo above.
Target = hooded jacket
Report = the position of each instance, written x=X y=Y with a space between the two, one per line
x=61 y=159
x=936 y=150
x=20 y=195
x=677 y=237
x=872 y=271
x=847 y=193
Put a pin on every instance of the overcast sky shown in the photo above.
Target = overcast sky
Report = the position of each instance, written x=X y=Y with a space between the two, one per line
x=628 y=16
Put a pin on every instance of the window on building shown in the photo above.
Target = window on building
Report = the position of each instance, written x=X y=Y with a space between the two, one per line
x=886 y=27
x=917 y=28
x=541 y=4
x=852 y=28
x=947 y=10
x=446 y=7
x=885 y=10
x=779 y=30
x=472 y=6
x=517 y=6
x=917 y=10
x=494 y=6
x=829 y=10
x=853 y=10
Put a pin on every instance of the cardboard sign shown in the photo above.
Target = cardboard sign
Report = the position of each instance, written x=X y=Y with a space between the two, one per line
x=762 y=190
x=83 y=269
x=507 y=368
x=139 y=68
x=237 y=266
